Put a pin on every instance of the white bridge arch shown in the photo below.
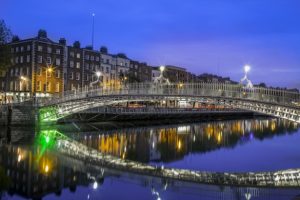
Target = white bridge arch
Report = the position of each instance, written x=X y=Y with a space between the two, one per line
x=275 y=102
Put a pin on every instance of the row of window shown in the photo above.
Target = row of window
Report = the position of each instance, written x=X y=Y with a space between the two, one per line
x=49 y=49
x=19 y=71
x=20 y=49
x=19 y=86
x=20 y=59
x=47 y=86
x=40 y=71
x=49 y=60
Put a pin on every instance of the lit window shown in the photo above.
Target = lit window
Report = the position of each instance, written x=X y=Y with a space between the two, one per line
x=57 y=87
x=57 y=73
x=78 y=65
x=78 y=55
x=71 y=63
x=49 y=60
x=71 y=76
x=57 y=61
x=40 y=59
x=39 y=71
x=38 y=85
x=28 y=58
x=48 y=89
x=77 y=76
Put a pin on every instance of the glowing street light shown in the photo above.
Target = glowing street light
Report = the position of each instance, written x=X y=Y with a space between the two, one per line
x=247 y=68
x=98 y=74
x=162 y=68
x=23 y=78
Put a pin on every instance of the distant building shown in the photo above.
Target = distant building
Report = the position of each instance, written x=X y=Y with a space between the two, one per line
x=140 y=72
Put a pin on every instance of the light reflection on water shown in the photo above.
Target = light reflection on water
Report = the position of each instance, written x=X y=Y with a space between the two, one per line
x=35 y=171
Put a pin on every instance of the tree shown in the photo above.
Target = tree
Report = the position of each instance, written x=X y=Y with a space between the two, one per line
x=104 y=50
x=262 y=85
x=15 y=38
x=5 y=37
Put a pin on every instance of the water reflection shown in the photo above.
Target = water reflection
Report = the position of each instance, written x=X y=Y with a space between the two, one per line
x=37 y=173
x=31 y=168
x=170 y=143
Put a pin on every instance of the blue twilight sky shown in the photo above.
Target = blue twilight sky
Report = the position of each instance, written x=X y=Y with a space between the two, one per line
x=214 y=36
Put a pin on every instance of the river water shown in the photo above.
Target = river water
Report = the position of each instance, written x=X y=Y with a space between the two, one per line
x=245 y=145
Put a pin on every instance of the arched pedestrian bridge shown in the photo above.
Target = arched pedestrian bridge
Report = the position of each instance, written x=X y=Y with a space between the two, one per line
x=274 y=102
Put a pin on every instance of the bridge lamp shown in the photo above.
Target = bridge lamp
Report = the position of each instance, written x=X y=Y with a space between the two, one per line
x=162 y=68
x=247 y=68
x=98 y=74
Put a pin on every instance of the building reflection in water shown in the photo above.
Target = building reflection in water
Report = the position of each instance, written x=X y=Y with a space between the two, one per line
x=173 y=142
x=35 y=170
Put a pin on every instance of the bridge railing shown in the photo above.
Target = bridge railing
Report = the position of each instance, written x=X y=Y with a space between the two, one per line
x=278 y=96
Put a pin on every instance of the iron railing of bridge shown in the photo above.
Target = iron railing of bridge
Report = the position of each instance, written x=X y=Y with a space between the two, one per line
x=235 y=91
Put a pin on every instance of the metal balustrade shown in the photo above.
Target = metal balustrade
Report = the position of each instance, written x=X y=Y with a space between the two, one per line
x=275 y=102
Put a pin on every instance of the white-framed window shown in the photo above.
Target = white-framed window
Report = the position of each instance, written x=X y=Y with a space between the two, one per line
x=17 y=59
x=78 y=65
x=28 y=47
x=57 y=51
x=77 y=76
x=40 y=59
x=28 y=58
x=49 y=61
x=48 y=87
x=40 y=48
x=38 y=85
x=72 y=54
x=49 y=50
x=57 y=87
x=39 y=71
x=71 y=75
x=21 y=59
x=87 y=57
x=57 y=61
x=92 y=58
x=97 y=58
x=72 y=63
x=22 y=48
x=17 y=72
x=57 y=73
x=17 y=49
x=78 y=55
